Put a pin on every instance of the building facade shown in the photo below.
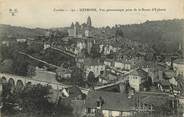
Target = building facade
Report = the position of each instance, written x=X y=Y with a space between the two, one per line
x=178 y=66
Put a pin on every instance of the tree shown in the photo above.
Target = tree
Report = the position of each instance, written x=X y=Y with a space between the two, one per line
x=20 y=65
x=36 y=99
x=31 y=70
x=77 y=76
x=91 y=79
x=34 y=48
x=6 y=90
x=119 y=32
x=7 y=66
x=148 y=83
x=95 y=51
x=9 y=99
x=33 y=100
x=6 y=52
x=0 y=56
x=127 y=87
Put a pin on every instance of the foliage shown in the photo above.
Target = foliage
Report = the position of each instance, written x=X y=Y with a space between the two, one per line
x=127 y=87
x=33 y=98
x=119 y=32
x=36 y=99
x=6 y=66
x=31 y=71
x=77 y=76
x=8 y=99
x=164 y=35
x=148 y=83
x=6 y=90
x=95 y=51
x=6 y=52
x=20 y=65
x=91 y=79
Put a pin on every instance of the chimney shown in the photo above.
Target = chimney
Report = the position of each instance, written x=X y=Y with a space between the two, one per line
x=172 y=59
x=131 y=93
x=122 y=87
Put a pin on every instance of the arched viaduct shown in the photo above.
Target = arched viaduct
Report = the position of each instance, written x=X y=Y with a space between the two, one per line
x=20 y=82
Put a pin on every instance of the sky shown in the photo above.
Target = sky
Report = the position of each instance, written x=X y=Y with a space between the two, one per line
x=40 y=13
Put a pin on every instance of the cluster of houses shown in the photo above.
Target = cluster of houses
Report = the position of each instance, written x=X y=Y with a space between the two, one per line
x=145 y=85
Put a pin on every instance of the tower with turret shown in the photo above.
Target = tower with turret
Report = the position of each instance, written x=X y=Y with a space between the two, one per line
x=89 y=22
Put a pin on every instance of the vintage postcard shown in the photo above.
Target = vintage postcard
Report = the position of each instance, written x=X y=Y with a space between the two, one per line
x=92 y=58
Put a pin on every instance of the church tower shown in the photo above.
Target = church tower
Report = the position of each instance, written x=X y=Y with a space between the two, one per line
x=89 y=22
x=72 y=25
x=181 y=48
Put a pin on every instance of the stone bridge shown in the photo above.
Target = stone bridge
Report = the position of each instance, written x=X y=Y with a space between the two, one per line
x=20 y=82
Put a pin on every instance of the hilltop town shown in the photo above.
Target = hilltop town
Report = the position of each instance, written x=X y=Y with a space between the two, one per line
x=84 y=71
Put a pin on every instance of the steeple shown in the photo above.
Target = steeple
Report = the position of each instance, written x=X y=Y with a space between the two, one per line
x=181 y=48
x=72 y=25
x=77 y=25
x=89 y=21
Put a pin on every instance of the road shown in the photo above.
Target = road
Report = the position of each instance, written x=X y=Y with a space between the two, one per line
x=37 y=59
x=122 y=80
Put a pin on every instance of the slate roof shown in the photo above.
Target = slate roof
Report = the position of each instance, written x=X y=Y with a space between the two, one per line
x=64 y=70
x=74 y=91
x=112 y=101
x=165 y=82
x=139 y=72
x=155 y=100
x=92 y=62
x=169 y=74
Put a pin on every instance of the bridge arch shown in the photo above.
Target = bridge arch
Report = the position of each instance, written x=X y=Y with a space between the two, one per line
x=11 y=83
x=3 y=80
x=20 y=82
x=19 y=85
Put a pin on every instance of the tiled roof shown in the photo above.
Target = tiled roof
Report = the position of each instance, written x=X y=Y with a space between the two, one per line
x=64 y=70
x=169 y=73
x=155 y=100
x=92 y=62
x=139 y=72
x=74 y=91
x=125 y=61
x=165 y=82
x=112 y=101
x=109 y=60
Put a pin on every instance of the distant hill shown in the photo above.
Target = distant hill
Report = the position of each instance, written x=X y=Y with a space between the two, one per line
x=8 y=31
x=165 y=35
x=151 y=30
x=20 y=32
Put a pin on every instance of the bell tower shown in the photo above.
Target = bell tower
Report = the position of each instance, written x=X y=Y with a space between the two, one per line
x=89 y=21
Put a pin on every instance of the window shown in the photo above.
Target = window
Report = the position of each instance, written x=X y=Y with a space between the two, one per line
x=88 y=110
x=98 y=104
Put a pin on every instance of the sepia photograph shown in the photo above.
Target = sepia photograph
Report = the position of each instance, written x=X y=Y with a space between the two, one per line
x=92 y=58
